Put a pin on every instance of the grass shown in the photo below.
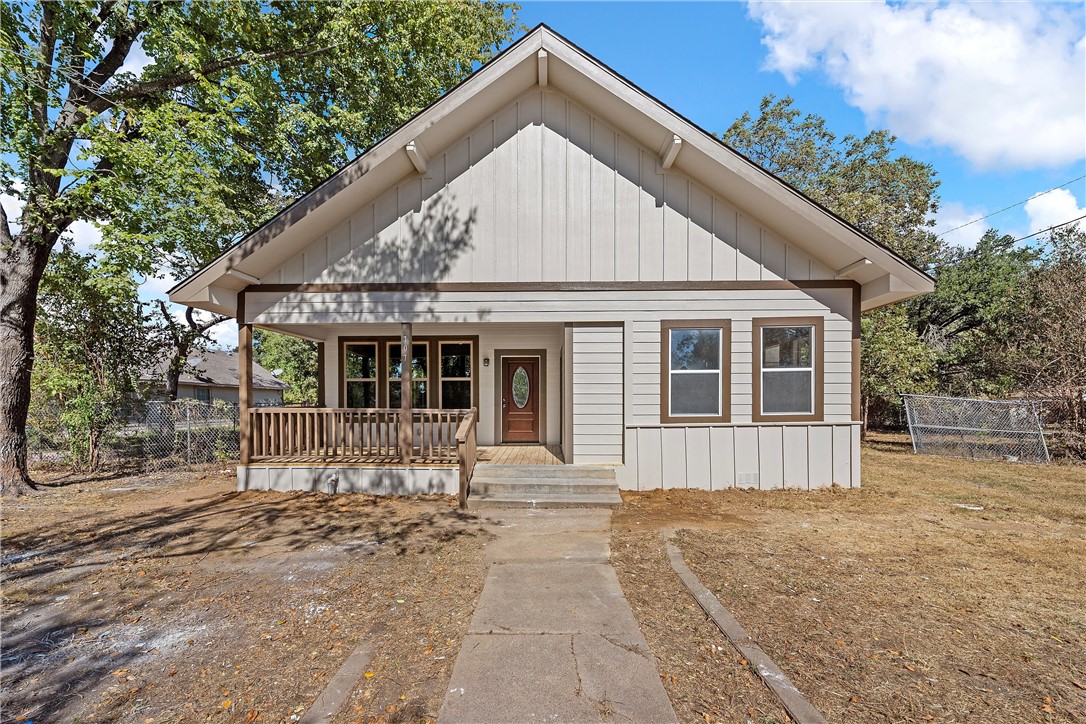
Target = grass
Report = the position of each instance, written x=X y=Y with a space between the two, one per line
x=892 y=602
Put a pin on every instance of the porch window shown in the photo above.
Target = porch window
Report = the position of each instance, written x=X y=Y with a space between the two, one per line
x=695 y=364
x=361 y=374
x=419 y=374
x=456 y=375
x=787 y=369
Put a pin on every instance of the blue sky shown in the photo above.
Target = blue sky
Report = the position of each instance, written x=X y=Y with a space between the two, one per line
x=991 y=94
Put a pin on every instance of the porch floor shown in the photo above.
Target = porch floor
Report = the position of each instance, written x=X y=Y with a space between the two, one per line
x=521 y=455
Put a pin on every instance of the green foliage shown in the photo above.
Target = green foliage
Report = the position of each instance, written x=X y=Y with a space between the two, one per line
x=973 y=306
x=890 y=197
x=296 y=357
x=92 y=344
x=894 y=360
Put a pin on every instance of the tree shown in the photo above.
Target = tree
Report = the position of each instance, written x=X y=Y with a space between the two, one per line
x=93 y=342
x=1047 y=353
x=894 y=360
x=972 y=306
x=297 y=358
x=890 y=197
x=239 y=98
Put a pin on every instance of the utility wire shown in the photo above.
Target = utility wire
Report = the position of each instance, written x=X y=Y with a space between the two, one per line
x=1030 y=236
x=1007 y=208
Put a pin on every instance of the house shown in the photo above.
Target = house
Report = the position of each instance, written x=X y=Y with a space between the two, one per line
x=571 y=264
x=213 y=375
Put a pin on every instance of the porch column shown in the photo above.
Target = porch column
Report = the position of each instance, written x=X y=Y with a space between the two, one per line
x=245 y=384
x=407 y=426
x=321 y=394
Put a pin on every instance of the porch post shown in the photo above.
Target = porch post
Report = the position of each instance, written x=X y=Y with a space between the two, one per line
x=320 y=375
x=245 y=381
x=406 y=423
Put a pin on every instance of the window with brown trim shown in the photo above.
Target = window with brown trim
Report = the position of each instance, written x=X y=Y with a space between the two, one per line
x=360 y=374
x=455 y=374
x=787 y=374
x=420 y=374
x=695 y=370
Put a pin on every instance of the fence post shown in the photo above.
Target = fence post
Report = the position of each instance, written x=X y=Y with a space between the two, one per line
x=188 y=435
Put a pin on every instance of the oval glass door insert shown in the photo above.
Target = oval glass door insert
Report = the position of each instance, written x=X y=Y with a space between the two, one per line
x=521 y=388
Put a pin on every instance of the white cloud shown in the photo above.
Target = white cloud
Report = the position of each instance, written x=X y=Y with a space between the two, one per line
x=1001 y=84
x=136 y=61
x=1057 y=207
x=953 y=214
x=13 y=206
x=85 y=235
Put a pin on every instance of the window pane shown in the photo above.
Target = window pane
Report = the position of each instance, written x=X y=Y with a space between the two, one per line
x=361 y=394
x=695 y=349
x=418 y=395
x=362 y=360
x=456 y=360
x=697 y=394
x=786 y=346
x=786 y=392
x=418 y=361
x=456 y=394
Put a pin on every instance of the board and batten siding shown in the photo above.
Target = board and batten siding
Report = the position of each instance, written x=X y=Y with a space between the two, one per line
x=597 y=394
x=545 y=191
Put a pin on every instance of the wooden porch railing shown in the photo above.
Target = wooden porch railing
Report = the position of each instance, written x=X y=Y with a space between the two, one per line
x=467 y=451
x=331 y=433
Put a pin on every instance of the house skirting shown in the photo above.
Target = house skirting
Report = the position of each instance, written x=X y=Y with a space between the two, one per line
x=373 y=479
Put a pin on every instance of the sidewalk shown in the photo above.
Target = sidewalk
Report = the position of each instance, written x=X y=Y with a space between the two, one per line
x=553 y=638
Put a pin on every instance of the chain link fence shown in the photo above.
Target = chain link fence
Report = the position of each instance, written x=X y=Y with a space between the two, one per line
x=978 y=429
x=155 y=435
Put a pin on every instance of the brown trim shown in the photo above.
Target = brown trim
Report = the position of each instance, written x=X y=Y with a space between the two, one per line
x=676 y=286
x=245 y=389
x=819 y=351
x=725 y=326
x=320 y=374
x=497 y=359
x=241 y=307
x=382 y=362
x=857 y=410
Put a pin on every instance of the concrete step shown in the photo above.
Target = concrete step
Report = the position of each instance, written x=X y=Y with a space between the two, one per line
x=601 y=472
x=574 y=486
x=544 y=500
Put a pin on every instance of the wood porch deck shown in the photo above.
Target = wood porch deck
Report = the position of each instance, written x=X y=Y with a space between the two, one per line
x=521 y=455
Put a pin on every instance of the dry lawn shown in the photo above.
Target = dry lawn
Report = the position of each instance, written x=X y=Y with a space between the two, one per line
x=891 y=603
x=176 y=599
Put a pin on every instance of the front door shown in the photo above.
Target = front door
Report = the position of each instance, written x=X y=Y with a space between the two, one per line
x=520 y=399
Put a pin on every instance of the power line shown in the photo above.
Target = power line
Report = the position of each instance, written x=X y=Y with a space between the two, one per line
x=1007 y=208
x=1030 y=236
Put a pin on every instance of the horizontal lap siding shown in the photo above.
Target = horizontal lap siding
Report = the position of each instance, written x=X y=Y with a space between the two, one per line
x=597 y=394
x=764 y=457
x=545 y=191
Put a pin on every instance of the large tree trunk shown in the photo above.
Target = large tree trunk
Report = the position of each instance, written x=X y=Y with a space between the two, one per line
x=22 y=263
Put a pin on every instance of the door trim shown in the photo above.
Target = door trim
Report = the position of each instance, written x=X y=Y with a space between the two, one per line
x=499 y=432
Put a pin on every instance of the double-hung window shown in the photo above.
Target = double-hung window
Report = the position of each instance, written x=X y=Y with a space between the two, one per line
x=788 y=369
x=360 y=364
x=695 y=363
x=455 y=370
x=419 y=372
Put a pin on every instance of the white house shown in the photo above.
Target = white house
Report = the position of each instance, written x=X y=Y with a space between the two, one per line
x=572 y=264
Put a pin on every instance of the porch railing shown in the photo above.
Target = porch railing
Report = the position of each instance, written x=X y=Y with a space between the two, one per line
x=331 y=433
x=467 y=449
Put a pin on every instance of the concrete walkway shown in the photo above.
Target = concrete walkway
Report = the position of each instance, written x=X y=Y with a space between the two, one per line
x=553 y=638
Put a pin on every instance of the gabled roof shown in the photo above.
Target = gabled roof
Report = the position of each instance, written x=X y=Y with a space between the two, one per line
x=216 y=368
x=545 y=57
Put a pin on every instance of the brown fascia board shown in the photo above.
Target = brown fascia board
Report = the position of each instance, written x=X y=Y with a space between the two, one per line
x=575 y=57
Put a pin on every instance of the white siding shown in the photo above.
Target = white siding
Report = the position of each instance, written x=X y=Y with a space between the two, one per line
x=766 y=457
x=597 y=394
x=545 y=191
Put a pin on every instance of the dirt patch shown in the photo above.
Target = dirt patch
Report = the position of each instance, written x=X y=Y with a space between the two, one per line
x=172 y=598
x=895 y=602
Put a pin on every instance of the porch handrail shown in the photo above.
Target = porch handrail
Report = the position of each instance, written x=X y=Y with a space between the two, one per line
x=467 y=453
x=351 y=432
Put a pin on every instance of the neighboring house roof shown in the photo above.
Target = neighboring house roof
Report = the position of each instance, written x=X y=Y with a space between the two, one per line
x=215 y=369
x=543 y=57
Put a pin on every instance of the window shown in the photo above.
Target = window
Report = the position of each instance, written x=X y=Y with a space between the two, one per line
x=419 y=374
x=203 y=394
x=455 y=370
x=788 y=369
x=695 y=364
x=360 y=367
